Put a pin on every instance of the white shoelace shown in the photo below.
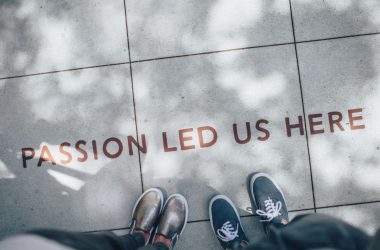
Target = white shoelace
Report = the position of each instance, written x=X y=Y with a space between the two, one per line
x=272 y=209
x=227 y=232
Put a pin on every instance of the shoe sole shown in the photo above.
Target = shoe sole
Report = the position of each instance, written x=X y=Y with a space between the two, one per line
x=223 y=197
x=252 y=181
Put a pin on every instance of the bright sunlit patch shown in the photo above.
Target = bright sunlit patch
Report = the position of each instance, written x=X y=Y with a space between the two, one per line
x=59 y=44
x=356 y=215
x=66 y=180
x=281 y=6
x=228 y=18
x=334 y=161
x=340 y=5
x=253 y=93
x=69 y=81
x=4 y=172
x=21 y=60
x=46 y=109
x=212 y=174
x=27 y=8
x=164 y=165
x=226 y=15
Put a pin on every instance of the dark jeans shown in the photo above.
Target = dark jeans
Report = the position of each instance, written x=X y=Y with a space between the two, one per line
x=314 y=231
x=98 y=241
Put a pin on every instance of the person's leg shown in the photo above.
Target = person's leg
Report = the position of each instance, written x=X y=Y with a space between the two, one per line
x=305 y=231
x=82 y=241
x=226 y=224
x=145 y=214
x=155 y=246
x=313 y=231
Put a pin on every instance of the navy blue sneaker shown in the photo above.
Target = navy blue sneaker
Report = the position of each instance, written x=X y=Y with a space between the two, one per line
x=225 y=222
x=269 y=200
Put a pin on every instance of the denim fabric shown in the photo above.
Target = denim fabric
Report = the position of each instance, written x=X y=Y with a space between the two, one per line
x=314 y=231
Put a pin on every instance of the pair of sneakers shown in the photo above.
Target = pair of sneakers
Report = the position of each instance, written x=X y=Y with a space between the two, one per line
x=159 y=222
x=265 y=195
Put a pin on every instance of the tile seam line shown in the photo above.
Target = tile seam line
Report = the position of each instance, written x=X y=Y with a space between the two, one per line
x=147 y=60
x=211 y=52
x=349 y=204
x=133 y=95
x=253 y=215
x=337 y=37
x=65 y=70
x=189 y=55
x=303 y=106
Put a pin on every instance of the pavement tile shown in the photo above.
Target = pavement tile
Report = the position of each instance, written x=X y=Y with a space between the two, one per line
x=316 y=19
x=364 y=216
x=341 y=75
x=56 y=35
x=219 y=90
x=47 y=110
x=170 y=27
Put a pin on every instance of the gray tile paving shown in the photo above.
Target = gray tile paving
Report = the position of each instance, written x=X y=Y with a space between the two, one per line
x=170 y=27
x=364 y=216
x=219 y=90
x=40 y=36
x=214 y=90
x=338 y=76
x=47 y=110
x=316 y=19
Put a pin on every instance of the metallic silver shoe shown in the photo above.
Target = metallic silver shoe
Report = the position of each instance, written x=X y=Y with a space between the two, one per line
x=173 y=219
x=147 y=211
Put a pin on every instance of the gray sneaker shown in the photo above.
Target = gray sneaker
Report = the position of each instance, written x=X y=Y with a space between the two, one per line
x=173 y=219
x=147 y=211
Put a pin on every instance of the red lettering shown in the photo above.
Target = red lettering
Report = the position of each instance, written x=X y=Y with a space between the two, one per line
x=247 y=139
x=45 y=151
x=336 y=121
x=183 y=139
x=202 y=144
x=80 y=150
x=67 y=154
x=165 y=141
x=132 y=140
x=297 y=125
x=352 y=118
x=313 y=123
x=261 y=129
x=119 y=150
x=27 y=157
x=95 y=149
